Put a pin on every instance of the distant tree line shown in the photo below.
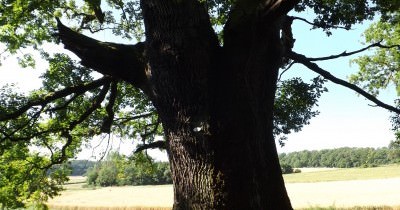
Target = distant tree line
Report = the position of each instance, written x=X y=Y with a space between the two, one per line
x=79 y=167
x=343 y=157
x=140 y=169
x=119 y=170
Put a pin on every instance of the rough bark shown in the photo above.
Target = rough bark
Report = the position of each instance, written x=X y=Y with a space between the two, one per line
x=215 y=103
x=125 y=62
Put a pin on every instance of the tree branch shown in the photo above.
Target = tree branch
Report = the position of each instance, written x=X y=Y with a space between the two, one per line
x=108 y=120
x=65 y=132
x=285 y=70
x=63 y=106
x=280 y=8
x=125 y=62
x=78 y=89
x=95 y=105
x=327 y=75
x=344 y=54
x=152 y=145
x=152 y=131
x=127 y=119
x=317 y=25
x=63 y=156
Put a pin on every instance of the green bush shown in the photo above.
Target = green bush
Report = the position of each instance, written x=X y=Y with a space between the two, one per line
x=107 y=176
x=286 y=169
x=92 y=174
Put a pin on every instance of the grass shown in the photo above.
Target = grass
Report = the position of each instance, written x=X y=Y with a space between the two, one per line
x=106 y=208
x=163 y=208
x=149 y=197
x=353 y=208
x=382 y=172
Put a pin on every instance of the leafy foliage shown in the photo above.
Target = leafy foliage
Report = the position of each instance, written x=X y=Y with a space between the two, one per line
x=345 y=13
x=139 y=169
x=293 y=105
x=23 y=180
x=380 y=69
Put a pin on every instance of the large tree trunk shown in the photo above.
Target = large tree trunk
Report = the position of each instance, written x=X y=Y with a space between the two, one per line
x=216 y=106
x=215 y=101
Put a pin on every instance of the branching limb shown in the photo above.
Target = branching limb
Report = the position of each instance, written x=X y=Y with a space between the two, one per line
x=344 y=54
x=153 y=145
x=108 y=120
x=125 y=62
x=28 y=137
x=96 y=104
x=30 y=121
x=286 y=69
x=66 y=132
x=152 y=131
x=327 y=75
x=63 y=106
x=123 y=120
x=42 y=101
x=318 y=25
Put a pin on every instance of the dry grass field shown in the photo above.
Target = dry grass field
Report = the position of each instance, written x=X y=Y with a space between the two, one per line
x=374 y=192
x=356 y=187
x=121 y=197
x=341 y=174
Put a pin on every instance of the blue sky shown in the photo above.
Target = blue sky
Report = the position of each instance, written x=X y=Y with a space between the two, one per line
x=346 y=120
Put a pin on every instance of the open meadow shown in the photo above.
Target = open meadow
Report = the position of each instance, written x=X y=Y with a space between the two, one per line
x=311 y=189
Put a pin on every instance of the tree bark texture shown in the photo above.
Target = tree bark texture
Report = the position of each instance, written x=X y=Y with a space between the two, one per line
x=215 y=102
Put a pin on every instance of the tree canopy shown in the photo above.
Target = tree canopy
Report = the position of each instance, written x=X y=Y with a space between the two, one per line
x=78 y=101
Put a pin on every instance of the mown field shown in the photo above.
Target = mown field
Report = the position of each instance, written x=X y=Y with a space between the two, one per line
x=368 y=188
x=340 y=174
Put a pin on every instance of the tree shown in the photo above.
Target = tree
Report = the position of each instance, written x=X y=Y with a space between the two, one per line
x=138 y=169
x=394 y=151
x=207 y=70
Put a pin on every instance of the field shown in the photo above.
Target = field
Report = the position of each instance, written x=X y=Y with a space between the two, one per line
x=326 y=175
x=311 y=189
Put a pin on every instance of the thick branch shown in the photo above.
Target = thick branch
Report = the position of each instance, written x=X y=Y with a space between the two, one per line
x=280 y=8
x=79 y=89
x=126 y=62
x=314 y=67
x=344 y=54
x=153 y=145
x=247 y=15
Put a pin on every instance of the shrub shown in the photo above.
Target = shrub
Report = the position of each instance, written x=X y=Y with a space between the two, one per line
x=107 y=176
x=286 y=169
x=297 y=170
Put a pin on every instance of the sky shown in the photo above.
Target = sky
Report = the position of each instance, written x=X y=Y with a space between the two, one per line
x=345 y=119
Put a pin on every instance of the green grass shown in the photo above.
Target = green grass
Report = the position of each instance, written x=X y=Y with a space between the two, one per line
x=382 y=172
